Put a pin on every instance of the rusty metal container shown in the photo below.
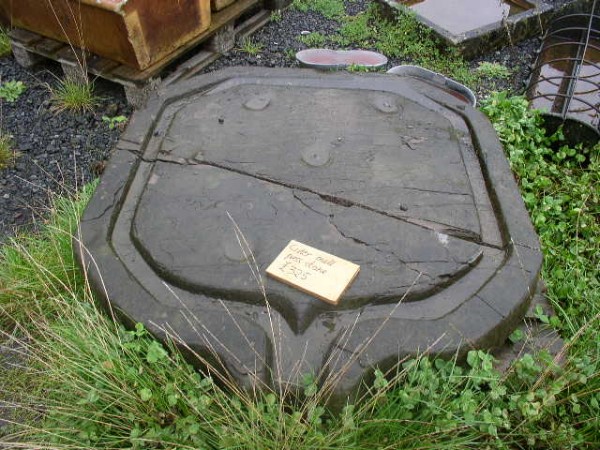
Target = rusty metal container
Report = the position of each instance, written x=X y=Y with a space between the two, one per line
x=565 y=82
x=138 y=33
x=218 y=5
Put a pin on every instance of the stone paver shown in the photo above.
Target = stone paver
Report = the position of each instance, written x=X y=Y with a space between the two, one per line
x=217 y=175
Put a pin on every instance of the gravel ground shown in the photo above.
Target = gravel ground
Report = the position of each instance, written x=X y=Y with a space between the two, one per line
x=277 y=38
x=59 y=151
x=56 y=152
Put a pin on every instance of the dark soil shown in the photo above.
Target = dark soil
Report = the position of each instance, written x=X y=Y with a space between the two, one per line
x=54 y=152
x=57 y=152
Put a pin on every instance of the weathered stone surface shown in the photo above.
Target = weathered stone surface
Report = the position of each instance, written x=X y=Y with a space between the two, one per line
x=217 y=175
x=430 y=77
x=409 y=153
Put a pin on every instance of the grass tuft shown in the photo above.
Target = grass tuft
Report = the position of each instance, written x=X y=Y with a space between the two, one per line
x=331 y=9
x=314 y=39
x=5 y=45
x=251 y=47
x=73 y=94
x=7 y=151
x=403 y=37
x=38 y=269
x=493 y=70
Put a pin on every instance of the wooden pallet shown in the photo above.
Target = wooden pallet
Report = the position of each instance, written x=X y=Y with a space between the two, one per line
x=234 y=22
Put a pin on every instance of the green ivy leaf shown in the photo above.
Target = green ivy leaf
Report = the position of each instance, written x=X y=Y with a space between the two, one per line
x=516 y=336
x=145 y=394
x=155 y=353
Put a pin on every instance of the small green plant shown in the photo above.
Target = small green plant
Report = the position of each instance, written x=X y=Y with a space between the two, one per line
x=276 y=16
x=405 y=38
x=314 y=39
x=251 y=47
x=331 y=9
x=301 y=5
x=7 y=152
x=516 y=336
x=493 y=70
x=114 y=122
x=356 y=30
x=290 y=53
x=561 y=188
x=5 y=45
x=361 y=68
x=73 y=94
x=12 y=90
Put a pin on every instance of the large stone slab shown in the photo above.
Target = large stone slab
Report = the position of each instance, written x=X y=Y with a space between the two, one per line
x=474 y=27
x=217 y=175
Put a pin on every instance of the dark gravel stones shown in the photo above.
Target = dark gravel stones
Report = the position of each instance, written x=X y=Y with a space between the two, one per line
x=56 y=152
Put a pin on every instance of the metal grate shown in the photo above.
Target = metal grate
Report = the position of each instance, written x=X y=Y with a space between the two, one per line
x=565 y=82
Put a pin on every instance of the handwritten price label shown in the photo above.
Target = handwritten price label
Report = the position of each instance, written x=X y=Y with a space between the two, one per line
x=313 y=271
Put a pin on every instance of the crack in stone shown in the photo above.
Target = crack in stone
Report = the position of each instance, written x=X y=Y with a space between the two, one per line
x=331 y=219
x=491 y=306
x=408 y=144
x=431 y=261
x=133 y=152
x=166 y=158
x=376 y=248
x=112 y=204
x=459 y=233
x=354 y=239
x=341 y=201
x=128 y=142
x=413 y=206
x=237 y=162
x=308 y=206
x=433 y=191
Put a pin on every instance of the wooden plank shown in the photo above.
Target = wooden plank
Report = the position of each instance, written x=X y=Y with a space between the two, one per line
x=313 y=271
x=130 y=74
x=140 y=34
x=100 y=66
x=192 y=66
x=253 y=23
x=72 y=58
x=71 y=55
x=24 y=57
x=218 y=5
x=24 y=37
x=228 y=14
x=47 y=47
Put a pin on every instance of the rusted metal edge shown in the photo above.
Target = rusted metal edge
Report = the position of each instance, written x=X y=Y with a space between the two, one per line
x=110 y=5
x=124 y=75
